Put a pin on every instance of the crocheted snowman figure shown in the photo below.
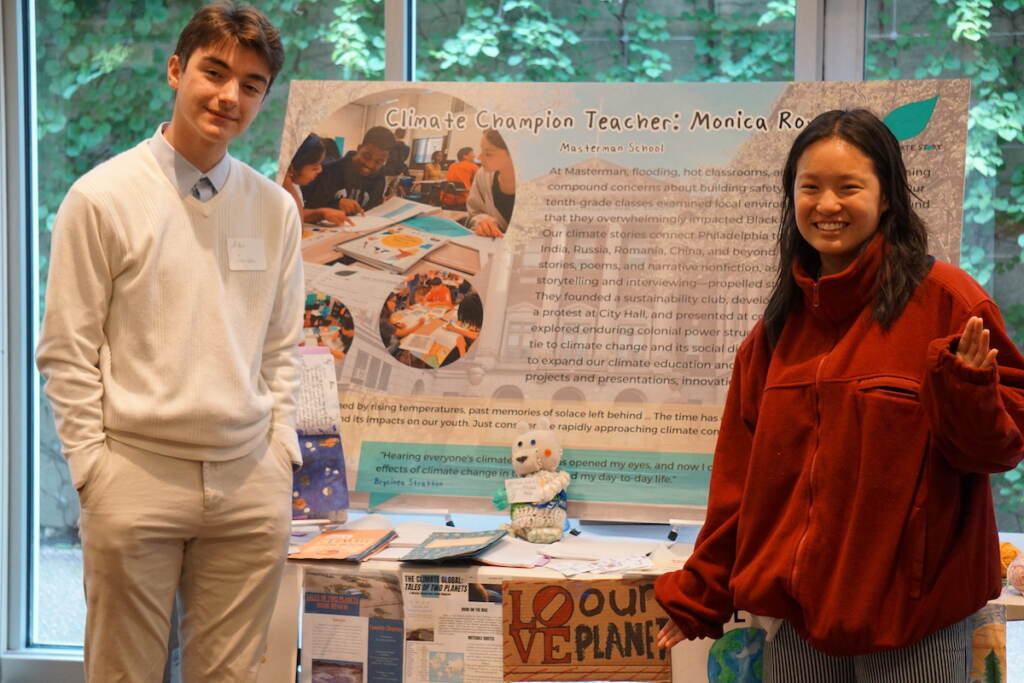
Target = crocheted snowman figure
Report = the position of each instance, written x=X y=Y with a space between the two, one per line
x=536 y=455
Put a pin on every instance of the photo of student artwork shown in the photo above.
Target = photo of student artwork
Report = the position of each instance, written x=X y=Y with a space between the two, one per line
x=431 y=320
x=327 y=322
x=326 y=671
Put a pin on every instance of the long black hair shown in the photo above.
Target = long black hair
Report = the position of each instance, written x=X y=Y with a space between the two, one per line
x=905 y=259
x=309 y=152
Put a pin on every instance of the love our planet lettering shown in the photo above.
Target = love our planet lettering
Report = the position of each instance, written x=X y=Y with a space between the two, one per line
x=592 y=629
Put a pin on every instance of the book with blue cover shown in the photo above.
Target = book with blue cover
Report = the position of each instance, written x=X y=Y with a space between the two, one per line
x=454 y=545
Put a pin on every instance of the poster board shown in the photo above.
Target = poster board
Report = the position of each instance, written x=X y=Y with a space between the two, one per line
x=639 y=254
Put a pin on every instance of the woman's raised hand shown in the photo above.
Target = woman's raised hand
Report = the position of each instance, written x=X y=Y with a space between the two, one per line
x=973 y=349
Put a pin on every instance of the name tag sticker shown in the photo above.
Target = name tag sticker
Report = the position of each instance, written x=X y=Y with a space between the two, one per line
x=246 y=254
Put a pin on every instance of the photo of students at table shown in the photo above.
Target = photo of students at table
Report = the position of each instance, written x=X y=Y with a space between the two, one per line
x=327 y=322
x=356 y=181
x=431 y=319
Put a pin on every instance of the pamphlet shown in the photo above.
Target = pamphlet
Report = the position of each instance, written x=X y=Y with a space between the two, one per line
x=510 y=551
x=452 y=628
x=351 y=626
x=607 y=565
x=454 y=545
x=345 y=544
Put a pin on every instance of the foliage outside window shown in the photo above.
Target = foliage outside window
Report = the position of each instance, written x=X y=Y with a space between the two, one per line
x=605 y=40
x=984 y=41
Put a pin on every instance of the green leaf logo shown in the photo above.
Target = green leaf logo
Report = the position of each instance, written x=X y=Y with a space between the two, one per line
x=909 y=120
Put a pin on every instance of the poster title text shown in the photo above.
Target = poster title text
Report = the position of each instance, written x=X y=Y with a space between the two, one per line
x=595 y=119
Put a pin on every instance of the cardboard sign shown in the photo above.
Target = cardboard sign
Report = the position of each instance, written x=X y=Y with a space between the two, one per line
x=600 y=630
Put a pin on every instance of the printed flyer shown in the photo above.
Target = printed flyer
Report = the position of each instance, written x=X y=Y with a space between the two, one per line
x=592 y=254
x=452 y=627
x=351 y=626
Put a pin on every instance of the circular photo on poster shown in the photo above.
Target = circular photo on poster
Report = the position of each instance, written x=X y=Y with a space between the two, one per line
x=432 y=319
x=328 y=323
x=416 y=144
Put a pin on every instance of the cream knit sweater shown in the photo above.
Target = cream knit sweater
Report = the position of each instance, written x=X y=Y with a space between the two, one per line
x=152 y=335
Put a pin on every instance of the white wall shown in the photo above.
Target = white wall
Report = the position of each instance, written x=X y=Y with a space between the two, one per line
x=348 y=122
x=353 y=120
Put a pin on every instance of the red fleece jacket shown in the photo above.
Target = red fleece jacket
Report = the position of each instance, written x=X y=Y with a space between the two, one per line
x=850 y=491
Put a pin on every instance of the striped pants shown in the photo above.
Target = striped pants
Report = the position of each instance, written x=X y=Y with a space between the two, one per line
x=942 y=657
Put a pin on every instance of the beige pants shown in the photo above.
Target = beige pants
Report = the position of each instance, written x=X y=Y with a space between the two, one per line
x=152 y=525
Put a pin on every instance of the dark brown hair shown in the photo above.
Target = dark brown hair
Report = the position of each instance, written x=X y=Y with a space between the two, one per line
x=310 y=152
x=222 y=22
x=379 y=137
x=905 y=258
x=494 y=137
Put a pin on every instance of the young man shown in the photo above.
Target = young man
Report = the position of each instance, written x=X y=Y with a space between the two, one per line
x=462 y=171
x=355 y=182
x=398 y=157
x=173 y=311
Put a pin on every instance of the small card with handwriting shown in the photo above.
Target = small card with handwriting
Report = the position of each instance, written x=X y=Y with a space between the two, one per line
x=523 y=490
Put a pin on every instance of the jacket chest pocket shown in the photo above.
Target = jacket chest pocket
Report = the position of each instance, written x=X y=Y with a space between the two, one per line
x=889 y=412
x=898 y=388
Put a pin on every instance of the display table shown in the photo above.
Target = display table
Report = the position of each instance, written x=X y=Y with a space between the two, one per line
x=280 y=662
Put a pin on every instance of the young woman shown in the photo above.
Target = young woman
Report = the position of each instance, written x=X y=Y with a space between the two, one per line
x=307 y=165
x=850 y=502
x=493 y=194
x=434 y=170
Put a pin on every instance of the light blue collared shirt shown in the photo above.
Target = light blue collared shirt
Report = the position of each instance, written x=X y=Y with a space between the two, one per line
x=182 y=174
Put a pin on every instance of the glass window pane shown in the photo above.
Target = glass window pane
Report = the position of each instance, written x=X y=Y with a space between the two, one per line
x=596 y=40
x=923 y=39
x=101 y=87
